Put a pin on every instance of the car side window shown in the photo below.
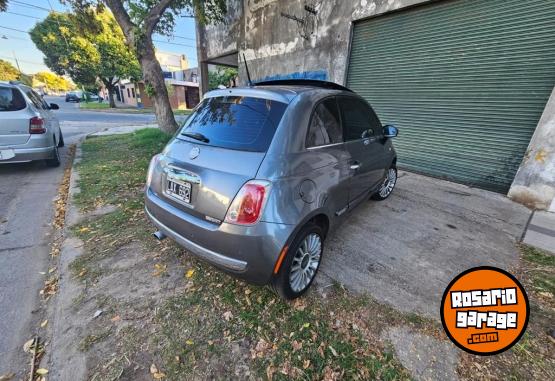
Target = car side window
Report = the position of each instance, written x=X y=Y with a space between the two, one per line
x=359 y=120
x=35 y=99
x=325 y=127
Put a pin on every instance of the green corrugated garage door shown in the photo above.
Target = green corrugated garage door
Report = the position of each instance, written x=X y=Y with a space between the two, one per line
x=465 y=82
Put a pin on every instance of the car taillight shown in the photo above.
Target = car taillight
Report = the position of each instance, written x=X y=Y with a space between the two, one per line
x=247 y=206
x=151 y=166
x=36 y=125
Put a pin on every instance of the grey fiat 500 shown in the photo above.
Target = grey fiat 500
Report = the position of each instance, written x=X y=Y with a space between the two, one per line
x=258 y=176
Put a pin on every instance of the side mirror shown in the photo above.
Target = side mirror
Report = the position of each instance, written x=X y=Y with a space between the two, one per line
x=54 y=106
x=390 y=131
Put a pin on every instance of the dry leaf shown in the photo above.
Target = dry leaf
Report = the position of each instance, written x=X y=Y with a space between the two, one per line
x=333 y=351
x=153 y=369
x=28 y=345
x=296 y=345
x=190 y=273
x=43 y=324
x=7 y=376
x=228 y=315
x=116 y=318
x=306 y=364
x=189 y=342
x=270 y=370
x=159 y=375
x=41 y=371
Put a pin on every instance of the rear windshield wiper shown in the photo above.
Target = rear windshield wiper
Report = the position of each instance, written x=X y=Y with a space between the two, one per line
x=196 y=136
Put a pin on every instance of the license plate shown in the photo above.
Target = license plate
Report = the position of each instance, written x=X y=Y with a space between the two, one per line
x=181 y=190
x=6 y=154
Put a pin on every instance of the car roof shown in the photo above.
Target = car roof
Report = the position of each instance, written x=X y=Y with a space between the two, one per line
x=281 y=90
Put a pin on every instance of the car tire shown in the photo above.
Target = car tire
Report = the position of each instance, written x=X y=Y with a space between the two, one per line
x=61 y=142
x=290 y=283
x=55 y=160
x=387 y=186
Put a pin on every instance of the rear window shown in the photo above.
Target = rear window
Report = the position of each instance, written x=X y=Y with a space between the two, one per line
x=241 y=123
x=11 y=99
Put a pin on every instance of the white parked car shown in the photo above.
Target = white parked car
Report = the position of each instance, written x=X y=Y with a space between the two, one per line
x=28 y=128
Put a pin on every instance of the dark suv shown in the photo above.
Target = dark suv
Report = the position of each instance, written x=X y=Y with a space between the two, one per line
x=258 y=176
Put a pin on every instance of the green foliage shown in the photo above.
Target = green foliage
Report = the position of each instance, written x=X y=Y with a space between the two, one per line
x=221 y=76
x=205 y=11
x=7 y=71
x=85 y=55
x=149 y=90
x=52 y=81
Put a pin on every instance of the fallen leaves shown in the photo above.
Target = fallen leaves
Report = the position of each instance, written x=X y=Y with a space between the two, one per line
x=189 y=274
x=156 y=373
x=159 y=269
x=227 y=315
x=7 y=377
x=50 y=287
x=44 y=323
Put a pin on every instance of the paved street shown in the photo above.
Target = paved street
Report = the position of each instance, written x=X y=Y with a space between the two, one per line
x=27 y=192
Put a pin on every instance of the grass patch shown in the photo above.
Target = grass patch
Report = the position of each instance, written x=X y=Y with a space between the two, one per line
x=222 y=322
x=113 y=169
x=541 y=270
x=93 y=105
x=134 y=110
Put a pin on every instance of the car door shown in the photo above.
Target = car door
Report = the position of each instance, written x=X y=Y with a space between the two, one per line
x=362 y=133
x=327 y=156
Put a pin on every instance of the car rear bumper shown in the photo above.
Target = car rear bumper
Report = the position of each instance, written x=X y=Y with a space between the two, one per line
x=23 y=155
x=247 y=252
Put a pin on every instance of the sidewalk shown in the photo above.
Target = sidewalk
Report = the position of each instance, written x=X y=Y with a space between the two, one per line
x=540 y=232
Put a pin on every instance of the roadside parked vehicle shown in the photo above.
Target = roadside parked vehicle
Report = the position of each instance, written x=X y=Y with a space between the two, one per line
x=258 y=176
x=28 y=128
x=73 y=96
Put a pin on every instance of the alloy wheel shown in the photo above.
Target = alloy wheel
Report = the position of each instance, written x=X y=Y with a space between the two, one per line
x=305 y=262
x=389 y=183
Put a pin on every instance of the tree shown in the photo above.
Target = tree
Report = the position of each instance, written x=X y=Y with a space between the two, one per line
x=52 y=81
x=139 y=19
x=86 y=54
x=222 y=76
x=8 y=72
x=3 y=5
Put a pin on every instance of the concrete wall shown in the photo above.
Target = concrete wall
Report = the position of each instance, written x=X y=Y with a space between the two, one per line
x=534 y=183
x=278 y=47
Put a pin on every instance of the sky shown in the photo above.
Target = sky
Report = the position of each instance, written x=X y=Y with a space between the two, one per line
x=23 y=14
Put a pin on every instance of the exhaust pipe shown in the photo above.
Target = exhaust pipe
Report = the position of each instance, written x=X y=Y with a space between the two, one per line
x=159 y=235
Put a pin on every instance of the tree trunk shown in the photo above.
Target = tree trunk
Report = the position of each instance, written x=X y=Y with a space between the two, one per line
x=152 y=74
x=111 y=98
x=111 y=88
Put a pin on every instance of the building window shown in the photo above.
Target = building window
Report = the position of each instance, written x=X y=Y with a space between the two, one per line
x=133 y=92
x=128 y=93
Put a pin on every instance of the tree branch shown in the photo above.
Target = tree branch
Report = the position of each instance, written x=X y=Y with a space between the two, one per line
x=122 y=17
x=153 y=17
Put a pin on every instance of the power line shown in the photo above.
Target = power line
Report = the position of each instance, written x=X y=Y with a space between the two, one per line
x=16 y=30
x=24 y=4
x=52 y=10
x=21 y=14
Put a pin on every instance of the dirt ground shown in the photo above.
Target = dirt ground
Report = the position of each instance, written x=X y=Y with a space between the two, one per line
x=132 y=308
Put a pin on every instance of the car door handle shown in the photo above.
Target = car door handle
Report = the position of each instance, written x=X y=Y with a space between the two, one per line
x=355 y=165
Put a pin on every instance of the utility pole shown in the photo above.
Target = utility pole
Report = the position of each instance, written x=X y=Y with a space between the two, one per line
x=16 y=62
